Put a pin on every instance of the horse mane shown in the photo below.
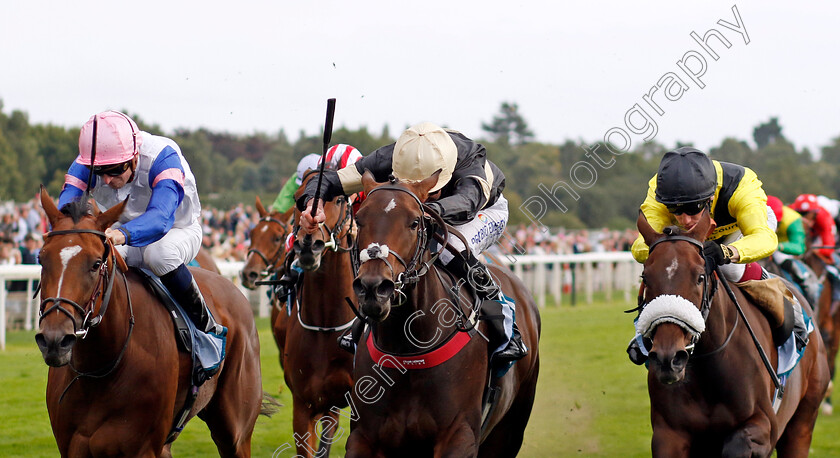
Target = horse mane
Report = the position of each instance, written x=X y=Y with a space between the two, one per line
x=77 y=209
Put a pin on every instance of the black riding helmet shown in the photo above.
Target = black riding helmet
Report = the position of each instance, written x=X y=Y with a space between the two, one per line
x=685 y=176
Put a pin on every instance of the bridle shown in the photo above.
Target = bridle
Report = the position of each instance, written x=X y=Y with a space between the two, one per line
x=415 y=267
x=332 y=234
x=271 y=263
x=710 y=285
x=106 y=280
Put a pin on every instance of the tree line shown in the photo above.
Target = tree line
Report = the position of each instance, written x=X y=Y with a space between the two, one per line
x=231 y=168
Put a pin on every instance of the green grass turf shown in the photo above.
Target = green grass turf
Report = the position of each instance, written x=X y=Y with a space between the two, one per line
x=591 y=401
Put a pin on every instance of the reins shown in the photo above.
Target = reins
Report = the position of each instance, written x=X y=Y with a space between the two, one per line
x=270 y=263
x=415 y=267
x=706 y=305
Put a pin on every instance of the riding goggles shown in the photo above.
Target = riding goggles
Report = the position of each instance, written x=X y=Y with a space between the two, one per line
x=112 y=170
x=691 y=208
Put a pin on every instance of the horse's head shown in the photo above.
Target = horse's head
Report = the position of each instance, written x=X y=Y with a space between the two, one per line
x=338 y=222
x=267 y=245
x=677 y=294
x=73 y=267
x=392 y=238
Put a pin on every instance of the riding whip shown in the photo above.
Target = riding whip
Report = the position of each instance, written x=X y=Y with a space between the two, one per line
x=92 y=158
x=328 y=124
x=749 y=328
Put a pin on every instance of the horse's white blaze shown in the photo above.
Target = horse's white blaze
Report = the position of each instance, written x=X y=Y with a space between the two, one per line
x=66 y=255
x=265 y=228
x=672 y=269
x=391 y=205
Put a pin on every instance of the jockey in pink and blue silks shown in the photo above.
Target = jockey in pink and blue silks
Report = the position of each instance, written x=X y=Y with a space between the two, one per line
x=160 y=228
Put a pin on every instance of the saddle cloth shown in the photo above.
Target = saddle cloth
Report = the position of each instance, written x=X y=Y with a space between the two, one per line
x=207 y=349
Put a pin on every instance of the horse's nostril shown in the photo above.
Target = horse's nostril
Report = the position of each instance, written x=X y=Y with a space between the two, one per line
x=67 y=341
x=680 y=359
x=40 y=341
x=252 y=275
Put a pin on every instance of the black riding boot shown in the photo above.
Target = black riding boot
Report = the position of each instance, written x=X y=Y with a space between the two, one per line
x=478 y=276
x=349 y=340
x=181 y=284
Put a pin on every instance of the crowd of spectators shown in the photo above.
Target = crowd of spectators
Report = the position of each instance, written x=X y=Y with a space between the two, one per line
x=226 y=235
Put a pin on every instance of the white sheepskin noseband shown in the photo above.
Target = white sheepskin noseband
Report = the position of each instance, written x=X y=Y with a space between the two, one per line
x=373 y=251
x=669 y=308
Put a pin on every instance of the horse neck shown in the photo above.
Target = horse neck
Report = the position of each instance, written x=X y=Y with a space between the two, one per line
x=722 y=317
x=324 y=291
x=392 y=334
x=105 y=342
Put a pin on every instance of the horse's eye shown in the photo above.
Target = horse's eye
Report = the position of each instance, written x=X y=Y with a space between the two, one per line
x=415 y=224
x=701 y=279
x=278 y=239
x=96 y=265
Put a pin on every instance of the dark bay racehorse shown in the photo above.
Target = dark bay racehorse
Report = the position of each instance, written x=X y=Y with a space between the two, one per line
x=316 y=370
x=400 y=410
x=265 y=257
x=116 y=378
x=718 y=400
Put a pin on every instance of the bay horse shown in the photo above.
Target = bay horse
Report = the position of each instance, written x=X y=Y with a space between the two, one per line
x=117 y=379
x=828 y=317
x=265 y=258
x=316 y=370
x=420 y=372
x=718 y=400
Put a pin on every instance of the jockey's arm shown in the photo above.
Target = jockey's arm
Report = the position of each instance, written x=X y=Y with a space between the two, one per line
x=470 y=193
x=75 y=184
x=749 y=207
x=825 y=230
x=658 y=218
x=286 y=198
x=166 y=178
x=795 y=244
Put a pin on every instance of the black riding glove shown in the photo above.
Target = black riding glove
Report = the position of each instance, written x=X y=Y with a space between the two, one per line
x=716 y=253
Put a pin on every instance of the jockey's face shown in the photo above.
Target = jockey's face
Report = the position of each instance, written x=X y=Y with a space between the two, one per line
x=118 y=181
x=687 y=221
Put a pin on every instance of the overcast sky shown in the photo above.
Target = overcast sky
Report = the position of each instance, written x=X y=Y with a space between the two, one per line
x=574 y=69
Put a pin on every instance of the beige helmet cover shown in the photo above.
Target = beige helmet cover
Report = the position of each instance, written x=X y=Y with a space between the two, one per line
x=420 y=151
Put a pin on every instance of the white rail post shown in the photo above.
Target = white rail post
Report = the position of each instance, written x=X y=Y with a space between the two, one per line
x=588 y=268
x=556 y=282
x=28 y=323
x=263 y=312
x=2 y=313
x=608 y=279
x=539 y=282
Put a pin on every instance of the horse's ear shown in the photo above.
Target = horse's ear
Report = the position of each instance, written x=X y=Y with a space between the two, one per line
x=260 y=209
x=53 y=215
x=368 y=181
x=288 y=216
x=648 y=233
x=422 y=188
x=94 y=208
x=109 y=217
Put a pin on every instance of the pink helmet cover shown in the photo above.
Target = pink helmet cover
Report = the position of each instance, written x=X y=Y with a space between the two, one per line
x=117 y=139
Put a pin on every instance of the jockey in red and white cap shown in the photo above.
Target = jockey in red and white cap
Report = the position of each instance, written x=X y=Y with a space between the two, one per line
x=818 y=224
x=160 y=228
